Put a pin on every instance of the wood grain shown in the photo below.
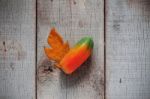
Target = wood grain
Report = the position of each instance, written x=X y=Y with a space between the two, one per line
x=128 y=49
x=17 y=49
x=73 y=19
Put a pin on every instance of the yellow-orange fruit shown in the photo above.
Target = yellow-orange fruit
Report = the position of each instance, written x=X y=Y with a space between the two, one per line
x=77 y=55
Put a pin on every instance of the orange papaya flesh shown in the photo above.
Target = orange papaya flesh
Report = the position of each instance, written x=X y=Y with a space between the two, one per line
x=77 y=55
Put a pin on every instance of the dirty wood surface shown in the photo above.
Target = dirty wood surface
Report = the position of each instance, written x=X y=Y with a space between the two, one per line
x=73 y=19
x=17 y=49
x=128 y=49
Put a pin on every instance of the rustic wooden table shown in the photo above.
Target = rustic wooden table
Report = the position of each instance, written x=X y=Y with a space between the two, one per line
x=118 y=69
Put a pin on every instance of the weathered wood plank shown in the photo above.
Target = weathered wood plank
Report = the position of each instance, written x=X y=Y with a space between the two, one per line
x=73 y=19
x=128 y=49
x=17 y=49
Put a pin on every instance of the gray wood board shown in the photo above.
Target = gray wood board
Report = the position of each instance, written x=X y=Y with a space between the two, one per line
x=17 y=49
x=128 y=49
x=73 y=19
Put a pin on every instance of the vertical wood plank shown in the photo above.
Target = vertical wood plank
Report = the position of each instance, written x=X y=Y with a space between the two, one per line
x=128 y=49
x=17 y=49
x=73 y=19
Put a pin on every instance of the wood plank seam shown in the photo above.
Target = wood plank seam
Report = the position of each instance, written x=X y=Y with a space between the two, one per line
x=36 y=42
x=104 y=49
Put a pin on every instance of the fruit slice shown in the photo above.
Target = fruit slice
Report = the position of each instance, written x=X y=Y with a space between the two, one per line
x=77 y=55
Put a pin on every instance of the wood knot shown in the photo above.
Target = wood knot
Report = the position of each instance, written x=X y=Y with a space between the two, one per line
x=49 y=69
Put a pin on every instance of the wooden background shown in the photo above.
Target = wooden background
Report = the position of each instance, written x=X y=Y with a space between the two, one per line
x=119 y=67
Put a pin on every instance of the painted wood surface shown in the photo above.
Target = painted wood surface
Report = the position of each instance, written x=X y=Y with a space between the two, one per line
x=73 y=19
x=128 y=49
x=17 y=49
